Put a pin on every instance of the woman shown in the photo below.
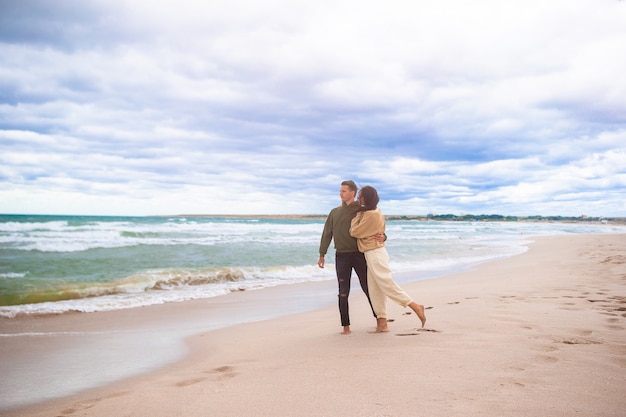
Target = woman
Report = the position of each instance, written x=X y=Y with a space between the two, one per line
x=367 y=223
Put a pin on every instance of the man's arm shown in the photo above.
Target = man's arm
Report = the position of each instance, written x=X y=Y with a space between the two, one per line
x=327 y=237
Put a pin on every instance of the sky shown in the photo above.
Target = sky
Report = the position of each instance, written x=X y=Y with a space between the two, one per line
x=246 y=107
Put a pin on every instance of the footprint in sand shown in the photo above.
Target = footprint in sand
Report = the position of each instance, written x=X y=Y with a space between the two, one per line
x=577 y=341
x=547 y=359
x=85 y=405
x=188 y=382
x=225 y=372
x=416 y=332
x=512 y=383
x=544 y=348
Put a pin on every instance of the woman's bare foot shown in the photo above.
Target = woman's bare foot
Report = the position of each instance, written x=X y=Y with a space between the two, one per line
x=419 y=310
x=381 y=326
x=346 y=330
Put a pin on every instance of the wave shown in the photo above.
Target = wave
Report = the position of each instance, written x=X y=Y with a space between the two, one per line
x=147 y=281
x=32 y=226
x=153 y=287
x=76 y=236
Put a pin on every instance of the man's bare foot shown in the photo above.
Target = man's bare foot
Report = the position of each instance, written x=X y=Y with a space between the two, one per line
x=346 y=330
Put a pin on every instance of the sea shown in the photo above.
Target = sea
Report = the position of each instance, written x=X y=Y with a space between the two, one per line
x=55 y=264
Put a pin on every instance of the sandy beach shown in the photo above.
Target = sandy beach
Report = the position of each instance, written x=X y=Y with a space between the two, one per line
x=538 y=334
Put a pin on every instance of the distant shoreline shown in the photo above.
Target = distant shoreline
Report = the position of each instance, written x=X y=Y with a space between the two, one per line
x=253 y=216
x=397 y=217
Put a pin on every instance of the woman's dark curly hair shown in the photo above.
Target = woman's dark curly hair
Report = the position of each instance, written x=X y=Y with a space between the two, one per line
x=368 y=197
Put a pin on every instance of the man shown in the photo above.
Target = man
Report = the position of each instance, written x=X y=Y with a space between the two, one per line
x=347 y=255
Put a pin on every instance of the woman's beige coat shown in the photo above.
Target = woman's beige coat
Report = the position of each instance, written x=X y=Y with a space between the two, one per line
x=365 y=226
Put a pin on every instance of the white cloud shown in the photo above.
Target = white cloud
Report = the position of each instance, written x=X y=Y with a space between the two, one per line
x=133 y=107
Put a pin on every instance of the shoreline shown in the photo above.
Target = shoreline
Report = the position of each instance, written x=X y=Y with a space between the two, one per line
x=482 y=218
x=548 y=322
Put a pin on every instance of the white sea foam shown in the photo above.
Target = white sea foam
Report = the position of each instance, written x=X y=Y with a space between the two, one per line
x=10 y=275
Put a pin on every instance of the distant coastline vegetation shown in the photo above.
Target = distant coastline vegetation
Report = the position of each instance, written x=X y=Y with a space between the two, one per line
x=433 y=217
x=502 y=218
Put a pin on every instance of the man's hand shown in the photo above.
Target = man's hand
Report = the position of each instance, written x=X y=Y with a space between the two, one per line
x=320 y=262
x=380 y=238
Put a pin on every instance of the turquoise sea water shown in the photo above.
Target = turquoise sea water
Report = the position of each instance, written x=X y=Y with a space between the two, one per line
x=53 y=264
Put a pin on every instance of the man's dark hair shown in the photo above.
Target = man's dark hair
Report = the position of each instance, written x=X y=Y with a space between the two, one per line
x=351 y=185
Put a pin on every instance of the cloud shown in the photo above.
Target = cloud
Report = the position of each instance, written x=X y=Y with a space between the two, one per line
x=132 y=107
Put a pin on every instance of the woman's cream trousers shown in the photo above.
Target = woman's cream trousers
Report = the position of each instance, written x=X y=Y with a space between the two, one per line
x=380 y=283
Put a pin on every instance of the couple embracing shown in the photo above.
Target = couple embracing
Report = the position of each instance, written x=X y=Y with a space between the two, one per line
x=357 y=228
